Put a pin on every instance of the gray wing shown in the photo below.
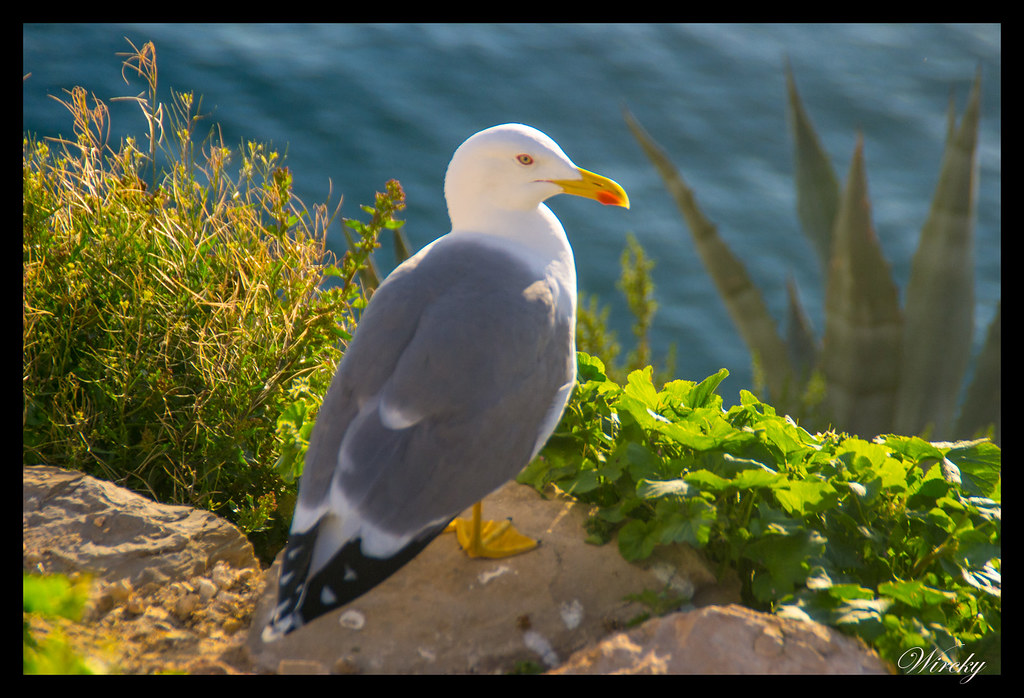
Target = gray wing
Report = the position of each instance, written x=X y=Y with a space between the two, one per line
x=441 y=395
x=458 y=369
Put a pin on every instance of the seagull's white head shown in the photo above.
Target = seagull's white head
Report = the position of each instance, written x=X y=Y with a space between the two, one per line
x=514 y=168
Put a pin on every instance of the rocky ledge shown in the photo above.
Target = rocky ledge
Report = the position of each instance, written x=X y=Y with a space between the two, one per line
x=180 y=590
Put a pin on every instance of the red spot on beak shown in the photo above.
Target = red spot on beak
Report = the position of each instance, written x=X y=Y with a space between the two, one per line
x=607 y=199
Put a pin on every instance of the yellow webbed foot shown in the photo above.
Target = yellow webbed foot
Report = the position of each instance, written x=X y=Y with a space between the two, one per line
x=492 y=539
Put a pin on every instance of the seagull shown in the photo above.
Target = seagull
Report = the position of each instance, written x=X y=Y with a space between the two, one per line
x=457 y=374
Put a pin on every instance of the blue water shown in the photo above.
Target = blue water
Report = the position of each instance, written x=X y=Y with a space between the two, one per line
x=356 y=105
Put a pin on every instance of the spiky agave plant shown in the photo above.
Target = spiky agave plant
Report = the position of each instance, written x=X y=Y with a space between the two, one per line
x=878 y=367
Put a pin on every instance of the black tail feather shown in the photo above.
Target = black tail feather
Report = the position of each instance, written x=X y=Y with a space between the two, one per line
x=347 y=576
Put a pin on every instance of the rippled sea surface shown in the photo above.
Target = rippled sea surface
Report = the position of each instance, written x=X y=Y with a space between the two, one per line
x=356 y=105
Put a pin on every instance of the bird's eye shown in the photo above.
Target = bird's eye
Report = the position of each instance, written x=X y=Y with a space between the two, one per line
x=524 y=159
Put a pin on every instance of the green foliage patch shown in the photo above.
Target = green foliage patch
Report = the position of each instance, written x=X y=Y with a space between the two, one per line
x=52 y=596
x=896 y=539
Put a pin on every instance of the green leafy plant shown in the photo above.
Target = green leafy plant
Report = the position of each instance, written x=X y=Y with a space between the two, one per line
x=878 y=367
x=176 y=314
x=51 y=597
x=896 y=540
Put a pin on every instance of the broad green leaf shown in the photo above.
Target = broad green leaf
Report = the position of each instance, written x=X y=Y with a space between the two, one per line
x=927 y=491
x=802 y=497
x=977 y=546
x=585 y=481
x=980 y=467
x=915 y=593
x=785 y=436
x=748 y=399
x=640 y=387
x=707 y=480
x=677 y=392
x=939 y=324
x=589 y=368
x=771 y=522
x=861 y=454
x=892 y=475
x=692 y=526
x=751 y=479
x=688 y=434
x=939 y=518
x=701 y=393
x=732 y=465
x=611 y=468
x=869 y=460
x=863 y=323
x=785 y=559
x=914 y=448
x=637 y=540
x=640 y=399
x=642 y=463
x=748 y=473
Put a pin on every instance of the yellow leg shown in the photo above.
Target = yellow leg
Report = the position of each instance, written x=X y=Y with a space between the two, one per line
x=494 y=539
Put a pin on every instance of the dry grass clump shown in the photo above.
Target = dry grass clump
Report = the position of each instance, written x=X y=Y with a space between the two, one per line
x=177 y=329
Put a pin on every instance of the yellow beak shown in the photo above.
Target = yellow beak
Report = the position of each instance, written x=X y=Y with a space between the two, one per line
x=594 y=186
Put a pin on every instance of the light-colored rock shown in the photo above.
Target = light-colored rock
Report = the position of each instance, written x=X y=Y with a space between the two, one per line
x=446 y=613
x=72 y=522
x=171 y=586
x=206 y=589
x=726 y=640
